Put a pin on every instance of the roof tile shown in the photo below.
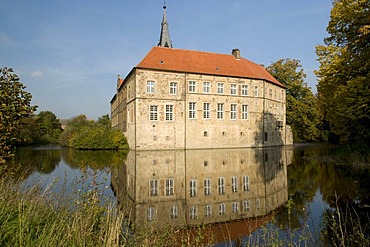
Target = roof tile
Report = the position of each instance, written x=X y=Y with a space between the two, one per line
x=179 y=60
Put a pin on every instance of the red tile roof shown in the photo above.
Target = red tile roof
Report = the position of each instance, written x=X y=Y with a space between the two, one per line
x=198 y=62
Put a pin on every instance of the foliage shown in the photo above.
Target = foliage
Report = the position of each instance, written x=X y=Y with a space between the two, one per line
x=15 y=105
x=50 y=127
x=35 y=217
x=43 y=128
x=86 y=134
x=301 y=105
x=344 y=73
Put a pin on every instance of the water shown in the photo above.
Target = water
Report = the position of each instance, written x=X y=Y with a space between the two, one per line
x=234 y=192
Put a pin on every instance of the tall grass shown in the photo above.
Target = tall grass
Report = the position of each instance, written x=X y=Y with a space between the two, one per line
x=36 y=217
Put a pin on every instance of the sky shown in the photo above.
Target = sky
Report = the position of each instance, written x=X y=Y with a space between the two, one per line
x=68 y=53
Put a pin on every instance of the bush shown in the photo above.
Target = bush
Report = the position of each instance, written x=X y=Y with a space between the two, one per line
x=84 y=134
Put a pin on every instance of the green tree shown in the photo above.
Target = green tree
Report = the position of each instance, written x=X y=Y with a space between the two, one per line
x=15 y=105
x=344 y=72
x=50 y=127
x=104 y=120
x=301 y=105
x=87 y=134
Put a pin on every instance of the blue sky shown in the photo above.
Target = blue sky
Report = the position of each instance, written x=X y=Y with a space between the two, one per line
x=68 y=53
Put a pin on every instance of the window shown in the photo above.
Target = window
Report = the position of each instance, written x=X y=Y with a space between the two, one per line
x=193 y=187
x=173 y=88
x=244 y=111
x=244 y=90
x=246 y=206
x=150 y=213
x=246 y=183
x=235 y=206
x=193 y=212
x=192 y=110
x=174 y=212
x=220 y=88
x=150 y=87
x=206 y=87
x=234 y=184
x=169 y=112
x=220 y=111
x=169 y=186
x=233 y=112
x=207 y=186
x=270 y=92
x=266 y=136
x=206 y=110
x=153 y=187
x=258 y=203
x=153 y=113
x=255 y=91
x=208 y=210
x=221 y=209
x=192 y=86
x=233 y=89
x=221 y=185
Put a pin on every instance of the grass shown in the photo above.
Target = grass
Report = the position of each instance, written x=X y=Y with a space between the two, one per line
x=36 y=217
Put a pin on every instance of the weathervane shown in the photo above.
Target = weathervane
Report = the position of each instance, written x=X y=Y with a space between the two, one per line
x=164 y=4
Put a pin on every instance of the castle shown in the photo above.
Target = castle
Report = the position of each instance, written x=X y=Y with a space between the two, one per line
x=185 y=99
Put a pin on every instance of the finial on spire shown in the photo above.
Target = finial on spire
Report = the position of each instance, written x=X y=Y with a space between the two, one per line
x=164 y=5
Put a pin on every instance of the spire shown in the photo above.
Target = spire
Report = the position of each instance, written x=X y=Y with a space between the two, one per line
x=165 y=40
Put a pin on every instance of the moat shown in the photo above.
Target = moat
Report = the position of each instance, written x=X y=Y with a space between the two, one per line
x=233 y=192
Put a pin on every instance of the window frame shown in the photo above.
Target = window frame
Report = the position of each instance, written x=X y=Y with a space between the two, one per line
x=150 y=87
x=153 y=114
x=173 y=88
x=220 y=111
x=206 y=87
x=220 y=87
x=193 y=188
x=192 y=110
x=233 y=89
x=207 y=186
x=170 y=186
x=153 y=187
x=192 y=86
x=244 y=112
x=244 y=90
x=206 y=110
x=233 y=111
x=169 y=116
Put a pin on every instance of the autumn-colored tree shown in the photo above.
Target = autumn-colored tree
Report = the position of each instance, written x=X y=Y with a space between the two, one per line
x=301 y=105
x=15 y=105
x=344 y=72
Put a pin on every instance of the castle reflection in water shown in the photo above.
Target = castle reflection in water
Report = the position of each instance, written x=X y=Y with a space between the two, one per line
x=202 y=186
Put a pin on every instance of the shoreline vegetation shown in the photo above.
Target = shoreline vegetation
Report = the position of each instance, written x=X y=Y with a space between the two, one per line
x=85 y=134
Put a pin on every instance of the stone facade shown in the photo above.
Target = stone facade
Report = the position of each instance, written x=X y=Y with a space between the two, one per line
x=163 y=109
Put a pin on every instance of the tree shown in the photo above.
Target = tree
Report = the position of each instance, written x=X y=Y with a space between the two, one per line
x=344 y=72
x=301 y=105
x=87 y=134
x=50 y=127
x=15 y=105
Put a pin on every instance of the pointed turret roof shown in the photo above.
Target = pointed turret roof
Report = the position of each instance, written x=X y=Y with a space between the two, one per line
x=164 y=40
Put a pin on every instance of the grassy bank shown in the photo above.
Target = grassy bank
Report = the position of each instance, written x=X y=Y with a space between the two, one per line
x=35 y=217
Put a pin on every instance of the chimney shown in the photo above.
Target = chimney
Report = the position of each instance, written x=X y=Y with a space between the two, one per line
x=236 y=53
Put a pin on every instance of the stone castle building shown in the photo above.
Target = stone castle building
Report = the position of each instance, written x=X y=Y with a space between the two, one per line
x=185 y=99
